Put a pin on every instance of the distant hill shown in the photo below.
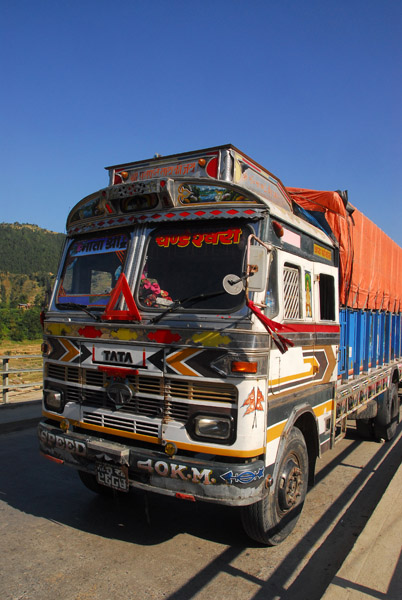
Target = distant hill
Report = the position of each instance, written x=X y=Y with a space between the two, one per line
x=29 y=258
x=28 y=249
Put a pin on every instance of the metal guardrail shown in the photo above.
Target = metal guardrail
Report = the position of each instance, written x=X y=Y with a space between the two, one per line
x=7 y=372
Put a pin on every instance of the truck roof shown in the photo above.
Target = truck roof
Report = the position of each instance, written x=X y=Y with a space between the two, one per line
x=158 y=159
x=223 y=163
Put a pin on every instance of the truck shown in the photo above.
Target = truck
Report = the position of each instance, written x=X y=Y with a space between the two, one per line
x=211 y=333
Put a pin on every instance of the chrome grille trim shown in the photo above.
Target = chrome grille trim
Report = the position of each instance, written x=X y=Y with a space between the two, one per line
x=155 y=398
x=123 y=423
x=201 y=392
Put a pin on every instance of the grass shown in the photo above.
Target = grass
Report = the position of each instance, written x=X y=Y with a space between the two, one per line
x=10 y=348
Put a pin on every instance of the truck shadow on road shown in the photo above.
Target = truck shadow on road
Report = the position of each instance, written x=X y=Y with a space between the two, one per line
x=310 y=581
x=55 y=493
x=41 y=488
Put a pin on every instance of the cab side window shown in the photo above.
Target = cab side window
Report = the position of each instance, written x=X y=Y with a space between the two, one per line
x=291 y=291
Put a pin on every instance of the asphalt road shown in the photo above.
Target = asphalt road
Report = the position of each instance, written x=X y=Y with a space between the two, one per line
x=59 y=540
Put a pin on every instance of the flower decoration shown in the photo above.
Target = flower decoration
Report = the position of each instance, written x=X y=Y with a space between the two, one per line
x=151 y=293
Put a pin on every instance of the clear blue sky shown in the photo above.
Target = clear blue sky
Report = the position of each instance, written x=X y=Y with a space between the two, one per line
x=309 y=89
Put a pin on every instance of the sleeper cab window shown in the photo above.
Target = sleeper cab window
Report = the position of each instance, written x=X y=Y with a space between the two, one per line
x=327 y=297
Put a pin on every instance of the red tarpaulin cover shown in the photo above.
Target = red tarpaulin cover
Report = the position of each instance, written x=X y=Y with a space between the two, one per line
x=370 y=262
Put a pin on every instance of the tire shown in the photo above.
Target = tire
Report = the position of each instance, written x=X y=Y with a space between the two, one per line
x=273 y=518
x=386 y=422
x=90 y=483
x=365 y=428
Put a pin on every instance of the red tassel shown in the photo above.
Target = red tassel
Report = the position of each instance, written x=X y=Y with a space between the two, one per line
x=272 y=327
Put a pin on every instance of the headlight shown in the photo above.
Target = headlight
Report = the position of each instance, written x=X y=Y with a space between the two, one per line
x=53 y=400
x=211 y=427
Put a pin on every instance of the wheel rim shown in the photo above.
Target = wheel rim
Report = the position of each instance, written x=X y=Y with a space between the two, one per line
x=290 y=484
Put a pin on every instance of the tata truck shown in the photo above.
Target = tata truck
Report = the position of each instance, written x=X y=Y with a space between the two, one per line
x=211 y=333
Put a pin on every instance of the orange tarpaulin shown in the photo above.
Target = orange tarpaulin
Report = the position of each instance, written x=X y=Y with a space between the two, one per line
x=370 y=262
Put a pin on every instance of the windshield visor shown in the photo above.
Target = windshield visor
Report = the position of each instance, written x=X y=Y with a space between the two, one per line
x=187 y=261
x=91 y=270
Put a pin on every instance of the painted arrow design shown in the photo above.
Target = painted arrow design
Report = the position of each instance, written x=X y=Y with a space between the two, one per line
x=320 y=363
x=71 y=351
x=177 y=361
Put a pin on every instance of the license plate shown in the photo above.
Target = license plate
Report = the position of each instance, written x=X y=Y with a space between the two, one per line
x=112 y=477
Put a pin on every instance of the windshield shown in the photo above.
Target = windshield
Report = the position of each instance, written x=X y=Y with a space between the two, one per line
x=189 y=260
x=91 y=270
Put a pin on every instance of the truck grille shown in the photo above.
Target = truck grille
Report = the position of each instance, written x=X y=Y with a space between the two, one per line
x=155 y=398
x=121 y=422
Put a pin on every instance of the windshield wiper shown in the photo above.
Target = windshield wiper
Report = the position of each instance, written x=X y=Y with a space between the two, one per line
x=82 y=307
x=177 y=303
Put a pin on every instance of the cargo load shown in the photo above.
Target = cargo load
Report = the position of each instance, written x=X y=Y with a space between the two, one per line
x=370 y=262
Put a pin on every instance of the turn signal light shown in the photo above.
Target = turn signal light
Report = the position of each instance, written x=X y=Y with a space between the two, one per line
x=45 y=348
x=244 y=367
x=65 y=425
x=170 y=449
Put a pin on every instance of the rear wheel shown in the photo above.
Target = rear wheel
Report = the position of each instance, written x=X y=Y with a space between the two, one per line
x=273 y=518
x=365 y=428
x=387 y=419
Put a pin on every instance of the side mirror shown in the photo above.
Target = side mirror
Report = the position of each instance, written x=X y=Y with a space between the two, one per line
x=257 y=267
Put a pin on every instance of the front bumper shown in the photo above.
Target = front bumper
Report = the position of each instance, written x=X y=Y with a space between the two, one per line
x=235 y=484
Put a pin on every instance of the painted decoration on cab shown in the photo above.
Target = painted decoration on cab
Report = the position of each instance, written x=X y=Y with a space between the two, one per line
x=254 y=402
x=97 y=207
x=307 y=285
x=226 y=237
x=190 y=193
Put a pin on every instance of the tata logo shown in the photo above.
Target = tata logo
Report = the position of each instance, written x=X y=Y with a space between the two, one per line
x=117 y=356
x=119 y=394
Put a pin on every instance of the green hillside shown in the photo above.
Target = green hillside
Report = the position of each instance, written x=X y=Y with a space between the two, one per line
x=28 y=249
x=29 y=257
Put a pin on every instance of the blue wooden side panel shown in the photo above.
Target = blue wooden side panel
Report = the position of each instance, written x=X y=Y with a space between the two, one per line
x=387 y=341
x=374 y=342
x=398 y=336
x=381 y=339
x=351 y=330
x=368 y=339
x=342 y=356
x=367 y=350
x=359 y=342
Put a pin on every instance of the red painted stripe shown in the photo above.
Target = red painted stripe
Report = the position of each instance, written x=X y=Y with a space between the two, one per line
x=117 y=371
x=313 y=328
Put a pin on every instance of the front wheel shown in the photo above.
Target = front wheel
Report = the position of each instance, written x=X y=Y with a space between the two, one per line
x=273 y=518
